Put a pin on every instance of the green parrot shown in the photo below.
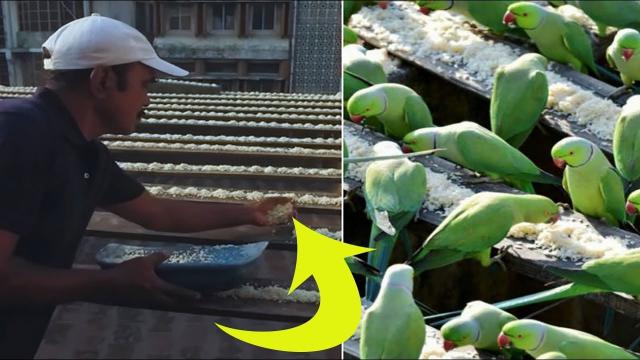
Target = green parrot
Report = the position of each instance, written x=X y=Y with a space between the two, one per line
x=350 y=7
x=594 y=186
x=621 y=55
x=552 y=355
x=626 y=140
x=538 y=338
x=618 y=14
x=632 y=206
x=392 y=328
x=519 y=95
x=360 y=72
x=488 y=12
x=397 y=107
x=476 y=148
x=479 y=325
x=348 y=36
x=360 y=267
x=616 y=273
x=557 y=38
x=479 y=222
x=394 y=191
x=633 y=202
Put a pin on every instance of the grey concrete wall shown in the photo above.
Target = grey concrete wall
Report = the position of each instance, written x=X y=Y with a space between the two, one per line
x=317 y=47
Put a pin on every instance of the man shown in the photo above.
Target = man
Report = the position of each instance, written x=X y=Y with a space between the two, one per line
x=54 y=173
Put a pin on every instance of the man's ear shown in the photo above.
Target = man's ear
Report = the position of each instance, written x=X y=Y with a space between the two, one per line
x=102 y=81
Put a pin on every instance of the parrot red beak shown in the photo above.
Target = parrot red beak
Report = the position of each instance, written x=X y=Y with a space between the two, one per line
x=503 y=341
x=425 y=10
x=560 y=163
x=383 y=4
x=627 y=54
x=357 y=118
x=449 y=345
x=406 y=149
x=509 y=19
x=631 y=209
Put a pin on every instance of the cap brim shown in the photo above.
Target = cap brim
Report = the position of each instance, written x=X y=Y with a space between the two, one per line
x=165 y=67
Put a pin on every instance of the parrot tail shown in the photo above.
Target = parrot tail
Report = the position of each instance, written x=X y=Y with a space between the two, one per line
x=435 y=259
x=523 y=185
x=379 y=259
x=557 y=293
x=546 y=178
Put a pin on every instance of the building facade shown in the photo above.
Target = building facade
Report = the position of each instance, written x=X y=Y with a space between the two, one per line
x=274 y=46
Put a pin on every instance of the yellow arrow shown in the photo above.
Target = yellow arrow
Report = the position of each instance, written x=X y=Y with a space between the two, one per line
x=339 y=311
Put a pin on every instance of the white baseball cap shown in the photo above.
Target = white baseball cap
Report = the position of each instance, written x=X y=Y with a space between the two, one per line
x=98 y=40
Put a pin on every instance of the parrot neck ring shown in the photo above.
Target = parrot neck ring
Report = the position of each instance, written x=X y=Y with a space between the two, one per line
x=475 y=341
x=400 y=287
x=450 y=5
x=533 y=28
x=540 y=341
x=585 y=161
x=386 y=104
x=435 y=140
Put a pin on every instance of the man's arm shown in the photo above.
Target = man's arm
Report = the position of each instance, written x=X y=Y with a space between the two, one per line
x=169 y=215
x=134 y=281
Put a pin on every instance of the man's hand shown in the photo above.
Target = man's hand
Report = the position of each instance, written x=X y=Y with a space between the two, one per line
x=273 y=211
x=135 y=281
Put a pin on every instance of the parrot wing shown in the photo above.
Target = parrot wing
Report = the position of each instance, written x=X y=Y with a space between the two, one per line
x=627 y=147
x=416 y=113
x=469 y=231
x=612 y=191
x=584 y=347
x=619 y=273
x=515 y=108
x=579 y=44
x=490 y=154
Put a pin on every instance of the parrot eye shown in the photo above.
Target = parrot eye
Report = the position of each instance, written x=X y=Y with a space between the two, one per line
x=519 y=336
x=524 y=14
x=570 y=152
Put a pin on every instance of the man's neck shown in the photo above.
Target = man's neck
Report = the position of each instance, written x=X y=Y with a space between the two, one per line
x=82 y=111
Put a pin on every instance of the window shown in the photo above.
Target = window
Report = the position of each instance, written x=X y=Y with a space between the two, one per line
x=47 y=16
x=263 y=16
x=271 y=68
x=221 y=17
x=264 y=85
x=179 y=18
x=4 y=71
x=2 y=35
x=145 y=14
x=221 y=67
x=266 y=18
x=31 y=67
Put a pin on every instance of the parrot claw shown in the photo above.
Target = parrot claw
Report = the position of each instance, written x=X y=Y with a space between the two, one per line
x=618 y=92
x=498 y=258
x=482 y=180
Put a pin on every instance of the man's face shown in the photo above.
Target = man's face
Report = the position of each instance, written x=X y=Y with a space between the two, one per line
x=122 y=110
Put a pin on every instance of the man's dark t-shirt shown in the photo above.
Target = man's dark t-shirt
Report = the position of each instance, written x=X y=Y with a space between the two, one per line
x=51 y=180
